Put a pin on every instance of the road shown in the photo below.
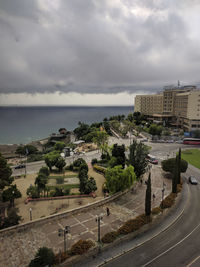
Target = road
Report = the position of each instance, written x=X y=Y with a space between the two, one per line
x=177 y=246
x=34 y=167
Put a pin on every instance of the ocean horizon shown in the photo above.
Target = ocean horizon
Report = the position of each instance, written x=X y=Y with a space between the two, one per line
x=23 y=124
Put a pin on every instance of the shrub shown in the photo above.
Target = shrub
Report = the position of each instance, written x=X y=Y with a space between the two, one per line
x=94 y=161
x=134 y=224
x=109 y=237
x=156 y=210
x=99 y=169
x=66 y=191
x=69 y=167
x=168 y=201
x=60 y=180
x=60 y=257
x=78 y=162
x=81 y=247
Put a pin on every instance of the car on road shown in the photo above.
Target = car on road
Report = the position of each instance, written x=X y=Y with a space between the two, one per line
x=193 y=180
x=20 y=166
x=152 y=159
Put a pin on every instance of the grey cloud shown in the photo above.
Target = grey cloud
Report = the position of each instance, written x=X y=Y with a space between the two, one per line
x=95 y=47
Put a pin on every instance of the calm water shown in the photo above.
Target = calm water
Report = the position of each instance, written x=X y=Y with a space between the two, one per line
x=25 y=124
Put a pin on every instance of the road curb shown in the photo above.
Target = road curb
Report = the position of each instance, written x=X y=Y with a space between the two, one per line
x=154 y=236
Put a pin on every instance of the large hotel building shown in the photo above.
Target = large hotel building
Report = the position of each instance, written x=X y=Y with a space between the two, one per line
x=179 y=106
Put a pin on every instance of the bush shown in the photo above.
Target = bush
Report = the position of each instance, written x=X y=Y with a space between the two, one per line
x=168 y=201
x=78 y=162
x=66 y=191
x=99 y=169
x=81 y=247
x=44 y=257
x=60 y=180
x=156 y=211
x=94 y=161
x=69 y=167
x=109 y=237
x=83 y=167
x=60 y=257
x=134 y=224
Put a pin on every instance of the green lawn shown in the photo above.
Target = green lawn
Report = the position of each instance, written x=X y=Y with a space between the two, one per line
x=64 y=186
x=192 y=156
x=64 y=176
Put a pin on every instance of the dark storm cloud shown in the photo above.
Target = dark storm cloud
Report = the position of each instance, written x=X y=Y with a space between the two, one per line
x=97 y=46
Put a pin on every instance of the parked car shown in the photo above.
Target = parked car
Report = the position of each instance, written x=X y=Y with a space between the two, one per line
x=193 y=180
x=20 y=166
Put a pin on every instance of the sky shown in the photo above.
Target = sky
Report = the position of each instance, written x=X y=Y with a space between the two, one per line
x=95 y=52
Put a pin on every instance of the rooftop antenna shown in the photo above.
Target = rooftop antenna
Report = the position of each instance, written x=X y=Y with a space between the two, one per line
x=178 y=83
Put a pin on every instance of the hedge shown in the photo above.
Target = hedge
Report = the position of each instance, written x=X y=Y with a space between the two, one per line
x=134 y=224
x=81 y=247
x=99 y=169
x=109 y=237
x=168 y=201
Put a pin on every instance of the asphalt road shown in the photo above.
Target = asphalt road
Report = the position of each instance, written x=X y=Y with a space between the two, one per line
x=177 y=246
x=34 y=167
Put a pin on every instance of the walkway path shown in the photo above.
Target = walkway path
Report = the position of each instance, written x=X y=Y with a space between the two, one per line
x=19 y=249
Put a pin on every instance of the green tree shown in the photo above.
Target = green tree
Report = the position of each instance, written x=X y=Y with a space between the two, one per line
x=175 y=177
x=5 y=173
x=118 y=179
x=100 y=139
x=82 y=130
x=60 y=164
x=90 y=186
x=10 y=194
x=44 y=170
x=196 y=134
x=32 y=191
x=12 y=219
x=59 y=146
x=138 y=157
x=51 y=159
x=179 y=167
x=148 y=197
x=155 y=129
x=78 y=162
x=44 y=257
x=119 y=153
x=27 y=149
x=168 y=165
x=41 y=181
x=83 y=177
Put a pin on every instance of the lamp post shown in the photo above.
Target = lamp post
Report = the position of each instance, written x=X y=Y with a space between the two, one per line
x=30 y=210
x=63 y=232
x=98 y=220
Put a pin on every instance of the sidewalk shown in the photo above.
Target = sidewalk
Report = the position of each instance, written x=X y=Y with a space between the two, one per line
x=19 y=249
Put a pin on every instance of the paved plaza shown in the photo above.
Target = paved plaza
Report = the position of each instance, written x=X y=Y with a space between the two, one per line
x=19 y=249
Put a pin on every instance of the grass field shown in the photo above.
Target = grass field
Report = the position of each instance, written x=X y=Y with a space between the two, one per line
x=64 y=186
x=64 y=176
x=192 y=156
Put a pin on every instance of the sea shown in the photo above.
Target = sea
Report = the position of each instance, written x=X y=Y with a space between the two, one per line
x=22 y=125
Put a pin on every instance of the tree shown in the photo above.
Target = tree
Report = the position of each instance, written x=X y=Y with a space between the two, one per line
x=83 y=177
x=32 y=191
x=5 y=173
x=83 y=166
x=100 y=139
x=179 y=167
x=90 y=186
x=78 y=162
x=168 y=165
x=51 y=158
x=27 y=149
x=196 y=134
x=148 y=197
x=41 y=181
x=44 y=170
x=138 y=157
x=82 y=130
x=118 y=179
x=60 y=164
x=119 y=153
x=10 y=194
x=44 y=257
x=175 y=177
x=12 y=219
x=155 y=129
x=59 y=146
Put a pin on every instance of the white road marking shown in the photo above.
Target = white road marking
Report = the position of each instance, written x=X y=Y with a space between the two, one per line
x=169 y=249
x=193 y=261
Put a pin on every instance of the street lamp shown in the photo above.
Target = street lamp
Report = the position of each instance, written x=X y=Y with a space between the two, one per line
x=98 y=220
x=30 y=210
x=63 y=232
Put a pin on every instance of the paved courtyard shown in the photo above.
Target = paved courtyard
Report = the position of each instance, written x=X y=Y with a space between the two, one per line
x=19 y=249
